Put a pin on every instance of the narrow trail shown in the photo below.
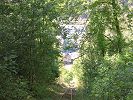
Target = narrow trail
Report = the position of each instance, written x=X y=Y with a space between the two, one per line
x=69 y=93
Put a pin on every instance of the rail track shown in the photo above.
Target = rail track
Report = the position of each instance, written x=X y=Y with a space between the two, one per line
x=69 y=93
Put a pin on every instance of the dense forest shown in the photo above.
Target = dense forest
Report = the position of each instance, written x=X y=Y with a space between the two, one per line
x=31 y=63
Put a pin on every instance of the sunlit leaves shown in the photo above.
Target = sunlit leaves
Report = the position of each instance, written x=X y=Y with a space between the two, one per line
x=105 y=56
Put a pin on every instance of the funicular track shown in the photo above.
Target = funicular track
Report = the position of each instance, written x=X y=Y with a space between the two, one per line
x=69 y=93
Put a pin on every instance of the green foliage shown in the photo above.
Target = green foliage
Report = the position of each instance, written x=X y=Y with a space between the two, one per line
x=29 y=48
x=106 y=53
x=66 y=76
x=110 y=78
x=12 y=89
x=113 y=81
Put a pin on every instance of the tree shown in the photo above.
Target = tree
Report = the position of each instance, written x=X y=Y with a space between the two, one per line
x=28 y=47
x=103 y=51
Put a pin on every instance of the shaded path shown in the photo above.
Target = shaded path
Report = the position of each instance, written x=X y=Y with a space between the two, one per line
x=68 y=94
